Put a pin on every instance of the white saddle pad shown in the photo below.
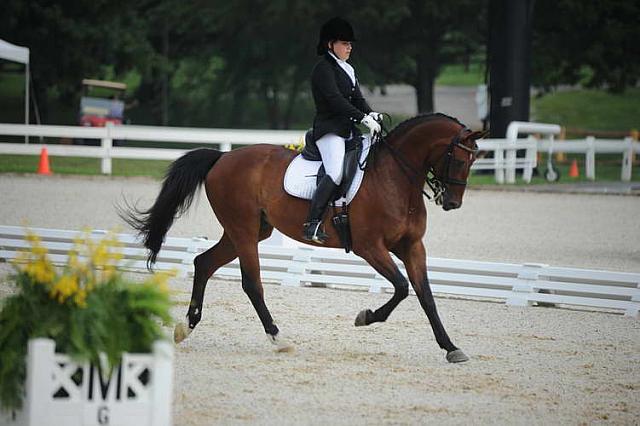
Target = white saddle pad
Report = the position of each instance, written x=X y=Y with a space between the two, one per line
x=300 y=177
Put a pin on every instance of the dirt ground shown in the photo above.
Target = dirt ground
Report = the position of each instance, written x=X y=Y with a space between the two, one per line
x=528 y=365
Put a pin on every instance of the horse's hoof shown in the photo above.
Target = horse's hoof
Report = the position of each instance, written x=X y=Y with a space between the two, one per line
x=457 y=356
x=362 y=318
x=281 y=344
x=181 y=332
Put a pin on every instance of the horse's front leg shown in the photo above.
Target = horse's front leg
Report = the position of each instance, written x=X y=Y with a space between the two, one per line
x=379 y=258
x=414 y=257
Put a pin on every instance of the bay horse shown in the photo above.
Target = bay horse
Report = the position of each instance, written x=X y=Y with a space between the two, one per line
x=388 y=214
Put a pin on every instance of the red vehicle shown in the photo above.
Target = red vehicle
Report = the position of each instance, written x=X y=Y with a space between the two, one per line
x=101 y=102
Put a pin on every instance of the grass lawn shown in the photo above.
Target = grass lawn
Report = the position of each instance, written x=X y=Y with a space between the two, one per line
x=590 y=109
x=455 y=75
x=83 y=166
x=608 y=168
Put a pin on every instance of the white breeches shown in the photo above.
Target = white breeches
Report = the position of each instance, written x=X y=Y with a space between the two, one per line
x=331 y=147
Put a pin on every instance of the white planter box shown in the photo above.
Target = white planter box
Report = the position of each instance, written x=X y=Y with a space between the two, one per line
x=62 y=392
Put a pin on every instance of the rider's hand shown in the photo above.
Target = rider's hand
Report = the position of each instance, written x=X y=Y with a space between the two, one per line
x=376 y=116
x=371 y=123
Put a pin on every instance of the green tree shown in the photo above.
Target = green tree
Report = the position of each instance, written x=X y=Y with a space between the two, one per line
x=70 y=40
x=594 y=43
x=268 y=51
x=410 y=41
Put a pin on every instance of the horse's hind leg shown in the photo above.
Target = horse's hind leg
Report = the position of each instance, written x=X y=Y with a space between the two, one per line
x=205 y=264
x=379 y=258
x=252 y=286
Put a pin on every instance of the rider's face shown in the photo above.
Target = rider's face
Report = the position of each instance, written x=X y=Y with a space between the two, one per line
x=342 y=49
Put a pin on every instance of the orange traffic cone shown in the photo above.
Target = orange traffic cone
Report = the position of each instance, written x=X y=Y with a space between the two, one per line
x=43 y=167
x=573 y=170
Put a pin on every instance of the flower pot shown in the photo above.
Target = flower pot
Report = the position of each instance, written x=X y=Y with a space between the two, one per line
x=60 y=391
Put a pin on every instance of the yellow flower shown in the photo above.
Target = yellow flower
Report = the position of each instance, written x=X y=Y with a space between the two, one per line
x=64 y=288
x=161 y=279
x=99 y=255
x=41 y=271
x=296 y=146
x=80 y=298
x=33 y=238
x=108 y=272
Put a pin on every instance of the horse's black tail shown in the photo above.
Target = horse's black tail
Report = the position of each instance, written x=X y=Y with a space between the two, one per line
x=181 y=181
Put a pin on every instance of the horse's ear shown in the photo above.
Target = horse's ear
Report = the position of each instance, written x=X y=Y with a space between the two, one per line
x=478 y=134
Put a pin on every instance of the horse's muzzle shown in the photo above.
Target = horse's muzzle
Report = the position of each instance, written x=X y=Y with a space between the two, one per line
x=451 y=205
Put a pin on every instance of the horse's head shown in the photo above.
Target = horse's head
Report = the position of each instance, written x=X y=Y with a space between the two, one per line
x=451 y=167
x=442 y=146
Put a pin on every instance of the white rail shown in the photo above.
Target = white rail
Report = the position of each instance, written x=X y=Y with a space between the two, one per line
x=520 y=285
x=591 y=146
x=504 y=161
x=224 y=138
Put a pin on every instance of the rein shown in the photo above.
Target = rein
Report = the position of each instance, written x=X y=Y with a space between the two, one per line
x=437 y=184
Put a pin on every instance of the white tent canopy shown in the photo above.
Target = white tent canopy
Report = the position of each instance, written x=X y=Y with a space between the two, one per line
x=14 y=53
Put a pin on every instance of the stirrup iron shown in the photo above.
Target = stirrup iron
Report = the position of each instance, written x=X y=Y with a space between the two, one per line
x=313 y=232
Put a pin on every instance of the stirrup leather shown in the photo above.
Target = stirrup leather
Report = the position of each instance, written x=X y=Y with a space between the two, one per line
x=313 y=232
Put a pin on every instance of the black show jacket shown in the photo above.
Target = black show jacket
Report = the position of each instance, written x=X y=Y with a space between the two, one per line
x=339 y=103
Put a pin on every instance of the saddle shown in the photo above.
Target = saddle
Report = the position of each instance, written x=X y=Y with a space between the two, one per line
x=353 y=151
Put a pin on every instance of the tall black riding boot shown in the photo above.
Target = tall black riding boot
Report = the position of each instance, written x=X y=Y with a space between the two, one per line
x=319 y=202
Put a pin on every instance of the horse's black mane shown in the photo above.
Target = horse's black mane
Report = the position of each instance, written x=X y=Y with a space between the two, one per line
x=403 y=127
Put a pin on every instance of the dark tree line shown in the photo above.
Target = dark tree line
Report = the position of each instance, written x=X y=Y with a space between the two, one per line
x=244 y=63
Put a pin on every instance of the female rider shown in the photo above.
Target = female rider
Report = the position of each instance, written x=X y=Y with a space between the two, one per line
x=339 y=106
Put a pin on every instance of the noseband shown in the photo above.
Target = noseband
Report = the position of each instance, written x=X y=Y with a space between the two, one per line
x=437 y=184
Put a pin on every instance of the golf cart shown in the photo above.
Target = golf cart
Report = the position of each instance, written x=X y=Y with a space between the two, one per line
x=102 y=102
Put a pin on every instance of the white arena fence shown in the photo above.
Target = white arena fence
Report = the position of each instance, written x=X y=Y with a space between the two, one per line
x=516 y=284
x=504 y=161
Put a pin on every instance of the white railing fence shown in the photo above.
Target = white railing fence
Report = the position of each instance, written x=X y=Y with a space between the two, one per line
x=222 y=138
x=590 y=146
x=504 y=161
x=298 y=265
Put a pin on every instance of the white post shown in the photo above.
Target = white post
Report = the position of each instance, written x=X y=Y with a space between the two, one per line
x=40 y=358
x=515 y=128
x=376 y=286
x=523 y=284
x=26 y=100
x=634 y=311
x=531 y=159
x=225 y=147
x=301 y=256
x=510 y=163
x=107 y=144
x=193 y=249
x=590 y=158
x=162 y=384
x=627 y=160
x=498 y=164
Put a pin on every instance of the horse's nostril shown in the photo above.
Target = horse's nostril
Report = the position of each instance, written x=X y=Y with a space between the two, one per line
x=450 y=205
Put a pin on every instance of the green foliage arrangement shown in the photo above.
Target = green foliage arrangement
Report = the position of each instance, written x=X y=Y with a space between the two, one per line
x=87 y=307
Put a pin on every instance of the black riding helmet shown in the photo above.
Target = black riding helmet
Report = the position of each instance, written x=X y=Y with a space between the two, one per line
x=334 y=29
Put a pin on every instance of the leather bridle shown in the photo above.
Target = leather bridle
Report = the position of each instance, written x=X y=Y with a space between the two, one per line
x=437 y=184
